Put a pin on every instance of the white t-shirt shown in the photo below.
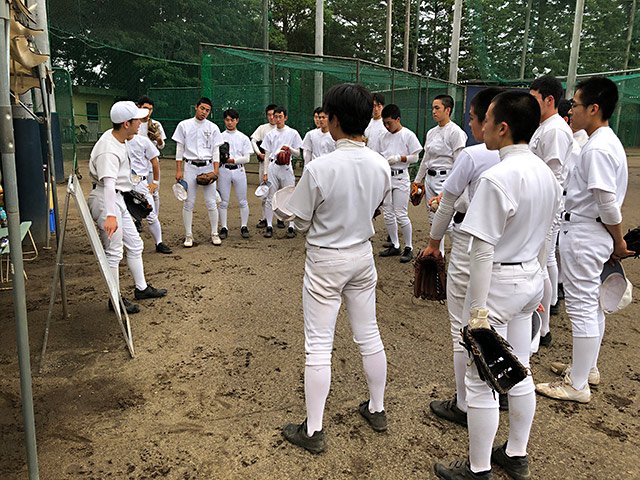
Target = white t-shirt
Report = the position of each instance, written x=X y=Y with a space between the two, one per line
x=514 y=205
x=318 y=143
x=109 y=159
x=141 y=150
x=374 y=133
x=602 y=164
x=239 y=146
x=339 y=194
x=262 y=131
x=403 y=142
x=278 y=137
x=199 y=138
x=143 y=130
x=441 y=148
x=552 y=142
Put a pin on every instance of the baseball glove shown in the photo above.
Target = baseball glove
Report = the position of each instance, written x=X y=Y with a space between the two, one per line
x=417 y=193
x=492 y=355
x=283 y=157
x=137 y=204
x=206 y=178
x=224 y=153
x=430 y=281
x=632 y=237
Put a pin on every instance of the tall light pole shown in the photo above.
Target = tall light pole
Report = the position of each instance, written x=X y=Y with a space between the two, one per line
x=319 y=51
x=575 y=49
x=387 y=53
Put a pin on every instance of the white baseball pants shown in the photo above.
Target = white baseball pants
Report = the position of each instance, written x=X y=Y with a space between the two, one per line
x=395 y=214
x=279 y=176
x=190 y=172
x=433 y=187
x=237 y=178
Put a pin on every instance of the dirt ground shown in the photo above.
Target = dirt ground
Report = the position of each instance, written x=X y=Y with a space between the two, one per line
x=220 y=360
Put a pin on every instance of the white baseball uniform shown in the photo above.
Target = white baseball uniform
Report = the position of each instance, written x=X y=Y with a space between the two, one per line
x=110 y=173
x=141 y=151
x=263 y=167
x=143 y=130
x=374 y=133
x=402 y=143
x=340 y=265
x=200 y=141
x=585 y=244
x=460 y=185
x=279 y=176
x=509 y=217
x=317 y=143
x=233 y=174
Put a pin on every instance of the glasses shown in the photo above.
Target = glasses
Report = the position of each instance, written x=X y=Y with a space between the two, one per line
x=574 y=104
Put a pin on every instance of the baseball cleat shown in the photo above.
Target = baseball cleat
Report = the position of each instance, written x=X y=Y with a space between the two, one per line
x=297 y=434
x=291 y=233
x=387 y=243
x=188 y=241
x=459 y=470
x=268 y=233
x=390 y=252
x=262 y=223
x=545 y=340
x=224 y=233
x=503 y=402
x=280 y=224
x=563 y=369
x=407 y=255
x=564 y=390
x=149 y=292
x=448 y=410
x=377 y=420
x=244 y=231
x=163 y=248
x=130 y=306
x=516 y=467
x=215 y=239
x=555 y=309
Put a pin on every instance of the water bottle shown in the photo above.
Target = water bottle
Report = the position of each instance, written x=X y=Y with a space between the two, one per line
x=3 y=218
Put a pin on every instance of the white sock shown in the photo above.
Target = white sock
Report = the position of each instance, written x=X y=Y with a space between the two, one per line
x=601 y=327
x=407 y=235
x=585 y=350
x=187 y=219
x=546 y=303
x=137 y=272
x=317 y=381
x=156 y=231
x=213 y=220
x=392 y=230
x=553 y=278
x=244 y=216
x=115 y=273
x=222 y=217
x=375 y=368
x=522 y=409
x=268 y=216
x=483 y=425
x=460 y=360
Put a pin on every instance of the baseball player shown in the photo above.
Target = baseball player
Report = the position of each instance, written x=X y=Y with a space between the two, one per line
x=158 y=137
x=590 y=234
x=197 y=143
x=400 y=147
x=340 y=261
x=458 y=190
x=256 y=141
x=232 y=172
x=553 y=143
x=442 y=145
x=110 y=173
x=141 y=152
x=282 y=139
x=318 y=141
x=508 y=219
x=375 y=130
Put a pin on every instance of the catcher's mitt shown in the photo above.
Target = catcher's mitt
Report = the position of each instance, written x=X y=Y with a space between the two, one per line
x=430 y=281
x=224 y=153
x=206 y=178
x=137 y=204
x=283 y=157
x=492 y=355
x=417 y=193
x=632 y=237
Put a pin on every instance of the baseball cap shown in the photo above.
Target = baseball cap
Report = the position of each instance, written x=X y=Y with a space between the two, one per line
x=262 y=189
x=180 y=190
x=616 y=289
x=123 y=111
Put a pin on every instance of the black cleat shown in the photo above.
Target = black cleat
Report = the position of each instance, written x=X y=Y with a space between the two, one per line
x=516 y=467
x=390 y=252
x=448 y=410
x=244 y=231
x=149 y=292
x=459 y=470
x=280 y=224
x=268 y=233
x=407 y=255
x=545 y=341
x=291 y=233
x=224 y=233
x=297 y=434
x=163 y=248
x=131 y=307
x=262 y=223
x=377 y=420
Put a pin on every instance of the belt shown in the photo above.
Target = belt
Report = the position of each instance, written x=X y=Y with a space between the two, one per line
x=94 y=186
x=231 y=166
x=433 y=173
x=567 y=217
x=511 y=263
x=198 y=163
x=395 y=172
x=458 y=217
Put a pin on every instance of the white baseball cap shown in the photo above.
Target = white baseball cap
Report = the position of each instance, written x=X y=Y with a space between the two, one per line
x=180 y=190
x=616 y=289
x=262 y=189
x=123 y=111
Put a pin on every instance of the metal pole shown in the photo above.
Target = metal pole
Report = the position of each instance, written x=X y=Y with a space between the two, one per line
x=417 y=37
x=455 y=42
x=268 y=98
x=387 y=53
x=525 y=39
x=632 y=16
x=575 y=49
x=407 y=27
x=7 y=151
x=319 y=51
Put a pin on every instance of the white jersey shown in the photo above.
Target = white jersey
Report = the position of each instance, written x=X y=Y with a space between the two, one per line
x=279 y=137
x=199 y=138
x=262 y=131
x=318 y=143
x=109 y=159
x=364 y=182
x=469 y=165
x=514 y=205
x=374 y=133
x=403 y=142
x=141 y=150
x=239 y=146
x=553 y=142
x=602 y=164
x=441 y=147
x=143 y=130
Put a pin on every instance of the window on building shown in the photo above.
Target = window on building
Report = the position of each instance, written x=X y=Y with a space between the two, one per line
x=92 y=111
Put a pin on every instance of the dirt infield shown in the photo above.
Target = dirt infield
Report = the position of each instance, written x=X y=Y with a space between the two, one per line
x=220 y=360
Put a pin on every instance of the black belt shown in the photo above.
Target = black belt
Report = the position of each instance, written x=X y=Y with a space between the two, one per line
x=458 y=217
x=567 y=217
x=395 y=173
x=198 y=163
x=94 y=185
x=231 y=166
x=511 y=263
x=433 y=173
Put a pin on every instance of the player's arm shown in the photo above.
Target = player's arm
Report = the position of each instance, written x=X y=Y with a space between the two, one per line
x=441 y=221
x=267 y=156
x=304 y=201
x=179 y=158
x=155 y=165
x=111 y=222
x=480 y=268
x=611 y=217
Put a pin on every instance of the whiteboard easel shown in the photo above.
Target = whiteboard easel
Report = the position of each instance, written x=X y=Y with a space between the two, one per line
x=74 y=190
